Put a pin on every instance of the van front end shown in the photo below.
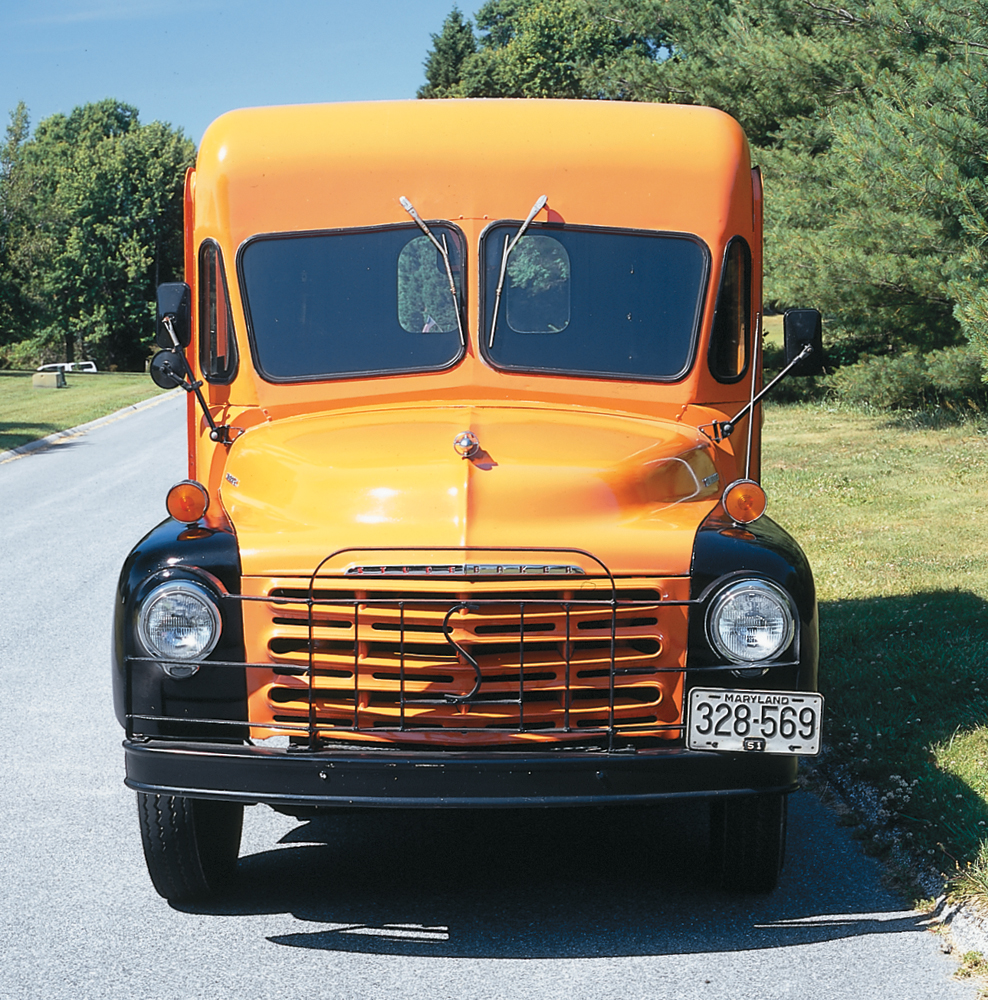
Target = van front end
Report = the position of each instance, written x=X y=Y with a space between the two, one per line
x=472 y=516
x=454 y=677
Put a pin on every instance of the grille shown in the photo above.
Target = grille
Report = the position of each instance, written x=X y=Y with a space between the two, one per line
x=490 y=661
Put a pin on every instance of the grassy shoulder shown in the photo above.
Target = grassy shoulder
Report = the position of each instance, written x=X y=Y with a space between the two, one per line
x=27 y=414
x=891 y=513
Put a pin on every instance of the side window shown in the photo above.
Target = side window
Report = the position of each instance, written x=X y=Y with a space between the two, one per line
x=731 y=337
x=217 y=343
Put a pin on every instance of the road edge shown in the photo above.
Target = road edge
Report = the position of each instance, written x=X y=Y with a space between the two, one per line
x=962 y=925
x=23 y=450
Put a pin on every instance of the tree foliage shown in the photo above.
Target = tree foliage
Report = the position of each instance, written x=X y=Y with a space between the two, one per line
x=444 y=64
x=91 y=210
x=552 y=48
x=869 y=119
x=15 y=230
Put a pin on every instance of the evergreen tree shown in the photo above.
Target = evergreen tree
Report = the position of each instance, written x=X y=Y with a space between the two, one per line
x=527 y=48
x=443 y=65
x=868 y=118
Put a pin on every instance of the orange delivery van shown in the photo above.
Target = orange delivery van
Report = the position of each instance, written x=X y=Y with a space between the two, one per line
x=473 y=514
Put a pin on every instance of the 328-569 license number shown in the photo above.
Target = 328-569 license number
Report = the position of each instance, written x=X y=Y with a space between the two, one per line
x=755 y=721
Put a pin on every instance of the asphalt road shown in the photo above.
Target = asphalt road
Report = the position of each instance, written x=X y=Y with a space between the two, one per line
x=540 y=904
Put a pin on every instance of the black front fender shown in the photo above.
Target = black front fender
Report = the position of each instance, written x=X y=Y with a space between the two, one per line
x=724 y=550
x=176 y=551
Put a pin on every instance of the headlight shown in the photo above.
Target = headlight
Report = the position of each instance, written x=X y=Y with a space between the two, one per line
x=179 y=621
x=750 y=621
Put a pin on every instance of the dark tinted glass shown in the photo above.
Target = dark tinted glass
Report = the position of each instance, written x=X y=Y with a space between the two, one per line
x=358 y=302
x=599 y=302
x=217 y=343
x=732 y=318
x=424 y=302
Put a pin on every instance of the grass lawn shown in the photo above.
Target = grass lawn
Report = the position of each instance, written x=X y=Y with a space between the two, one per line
x=772 y=327
x=891 y=511
x=27 y=413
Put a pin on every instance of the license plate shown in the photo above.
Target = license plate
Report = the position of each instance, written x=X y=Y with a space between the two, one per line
x=755 y=721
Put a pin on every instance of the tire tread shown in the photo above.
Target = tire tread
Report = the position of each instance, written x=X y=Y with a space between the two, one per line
x=748 y=841
x=190 y=845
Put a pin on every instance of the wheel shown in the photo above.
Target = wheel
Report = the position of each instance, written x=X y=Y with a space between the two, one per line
x=748 y=841
x=190 y=845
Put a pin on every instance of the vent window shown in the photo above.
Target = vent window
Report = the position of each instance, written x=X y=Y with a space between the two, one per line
x=217 y=343
x=731 y=337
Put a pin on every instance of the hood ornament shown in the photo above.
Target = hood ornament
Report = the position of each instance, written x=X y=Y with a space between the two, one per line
x=466 y=444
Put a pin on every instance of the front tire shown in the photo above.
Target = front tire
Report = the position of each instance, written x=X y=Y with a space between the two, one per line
x=190 y=845
x=748 y=841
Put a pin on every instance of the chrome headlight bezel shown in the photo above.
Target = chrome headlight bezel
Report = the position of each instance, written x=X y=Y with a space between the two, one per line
x=765 y=591
x=174 y=655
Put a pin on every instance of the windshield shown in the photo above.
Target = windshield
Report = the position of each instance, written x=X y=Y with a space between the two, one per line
x=353 y=302
x=594 y=301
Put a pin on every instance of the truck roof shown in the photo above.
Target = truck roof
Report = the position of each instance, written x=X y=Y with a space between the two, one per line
x=326 y=166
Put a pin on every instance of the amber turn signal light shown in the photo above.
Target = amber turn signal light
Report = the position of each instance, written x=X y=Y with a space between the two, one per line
x=187 y=501
x=744 y=501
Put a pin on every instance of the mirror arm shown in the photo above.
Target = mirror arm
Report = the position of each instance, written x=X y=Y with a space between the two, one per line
x=218 y=433
x=725 y=428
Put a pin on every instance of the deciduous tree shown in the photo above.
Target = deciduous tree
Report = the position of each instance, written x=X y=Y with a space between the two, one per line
x=15 y=230
x=101 y=224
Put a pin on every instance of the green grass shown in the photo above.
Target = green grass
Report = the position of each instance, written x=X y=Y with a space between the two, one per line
x=27 y=414
x=772 y=327
x=891 y=512
x=974 y=965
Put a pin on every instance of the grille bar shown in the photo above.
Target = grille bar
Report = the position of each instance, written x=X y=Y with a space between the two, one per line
x=433 y=689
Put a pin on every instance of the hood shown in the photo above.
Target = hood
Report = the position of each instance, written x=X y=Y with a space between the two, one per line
x=629 y=490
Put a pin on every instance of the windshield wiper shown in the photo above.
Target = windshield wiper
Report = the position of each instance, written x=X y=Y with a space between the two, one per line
x=508 y=247
x=441 y=247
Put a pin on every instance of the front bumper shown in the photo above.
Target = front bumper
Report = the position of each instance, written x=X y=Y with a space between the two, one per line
x=400 y=779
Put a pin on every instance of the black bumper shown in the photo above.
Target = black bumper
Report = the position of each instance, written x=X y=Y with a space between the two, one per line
x=400 y=779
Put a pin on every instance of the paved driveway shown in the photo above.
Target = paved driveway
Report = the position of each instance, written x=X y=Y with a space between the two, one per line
x=594 y=904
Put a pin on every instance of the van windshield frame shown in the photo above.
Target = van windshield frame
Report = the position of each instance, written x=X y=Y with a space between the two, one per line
x=332 y=304
x=632 y=308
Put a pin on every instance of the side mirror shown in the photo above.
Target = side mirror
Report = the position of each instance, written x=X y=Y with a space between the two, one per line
x=167 y=369
x=175 y=302
x=801 y=328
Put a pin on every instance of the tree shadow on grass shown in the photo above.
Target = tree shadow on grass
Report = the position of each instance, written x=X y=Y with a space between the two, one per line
x=14 y=433
x=939 y=418
x=903 y=675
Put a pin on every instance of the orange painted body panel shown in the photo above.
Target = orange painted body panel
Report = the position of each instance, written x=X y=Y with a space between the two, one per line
x=616 y=467
x=631 y=491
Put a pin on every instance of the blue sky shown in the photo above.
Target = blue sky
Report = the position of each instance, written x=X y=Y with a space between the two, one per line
x=187 y=62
